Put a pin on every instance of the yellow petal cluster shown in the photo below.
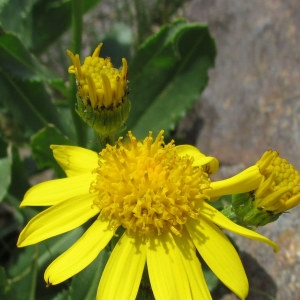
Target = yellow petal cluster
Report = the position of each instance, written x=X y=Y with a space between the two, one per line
x=99 y=84
x=130 y=192
x=102 y=93
x=279 y=189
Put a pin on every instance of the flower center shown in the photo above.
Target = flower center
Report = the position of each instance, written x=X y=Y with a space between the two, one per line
x=146 y=187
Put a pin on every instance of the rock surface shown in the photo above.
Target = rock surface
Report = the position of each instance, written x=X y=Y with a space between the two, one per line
x=252 y=104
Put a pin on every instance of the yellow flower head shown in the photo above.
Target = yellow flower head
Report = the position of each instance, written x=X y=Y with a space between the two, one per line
x=130 y=192
x=157 y=193
x=102 y=98
x=279 y=189
x=99 y=83
x=261 y=192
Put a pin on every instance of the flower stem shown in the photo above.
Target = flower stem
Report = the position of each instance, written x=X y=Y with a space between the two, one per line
x=104 y=140
x=77 y=12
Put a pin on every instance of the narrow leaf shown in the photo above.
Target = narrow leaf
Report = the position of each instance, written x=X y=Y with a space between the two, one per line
x=50 y=20
x=16 y=17
x=6 y=292
x=28 y=102
x=5 y=176
x=41 y=142
x=38 y=23
x=16 y=59
x=24 y=275
x=167 y=76
x=85 y=284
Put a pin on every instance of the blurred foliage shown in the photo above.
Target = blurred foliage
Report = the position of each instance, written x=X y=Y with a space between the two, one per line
x=169 y=63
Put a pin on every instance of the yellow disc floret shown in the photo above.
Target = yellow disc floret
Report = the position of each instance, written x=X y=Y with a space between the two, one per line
x=280 y=188
x=102 y=93
x=99 y=83
x=146 y=187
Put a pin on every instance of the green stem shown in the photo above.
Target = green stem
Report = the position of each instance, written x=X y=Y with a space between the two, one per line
x=104 y=140
x=77 y=12
x=34 y=273
x=143 y=23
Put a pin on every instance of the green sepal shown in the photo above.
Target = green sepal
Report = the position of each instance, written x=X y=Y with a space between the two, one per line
x=104 y=121
x=248 y=214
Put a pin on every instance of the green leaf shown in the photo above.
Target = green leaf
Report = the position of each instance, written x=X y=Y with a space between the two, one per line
x=38 y=22
x=19 y=175
x=3 y=144
x=41 y=142
x=167 y=76
x=5 y=176
x=51 y=19
x=24 y=272
x=22 y=83
x=28 y=102
x=85 y=284
x=15 y=15
x=5 y=169
x=20 y=63
x=211 y=280
x=5 y=289
x=27 y=272
x=64 y=295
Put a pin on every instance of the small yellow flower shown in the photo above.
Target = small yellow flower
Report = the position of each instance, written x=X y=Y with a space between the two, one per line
x=262 y=192
x=157 y=193
x=279 y=189
x=99 y=83
x=102 y=99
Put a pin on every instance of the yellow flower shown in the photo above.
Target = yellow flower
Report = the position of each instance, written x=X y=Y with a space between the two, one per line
x=262 y=192
x=99 y=83
x=279 y=189
x=102 y=99
x=157 y=193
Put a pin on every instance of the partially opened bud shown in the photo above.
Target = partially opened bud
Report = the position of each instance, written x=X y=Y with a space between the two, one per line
x=102 y=97
x=278 y=191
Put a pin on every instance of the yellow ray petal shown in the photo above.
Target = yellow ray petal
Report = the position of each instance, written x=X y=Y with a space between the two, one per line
x=54 y=191
x=58 y=219
x=210 y=213
x=246 y=181
x=219 y=254
x=80 y=254
x=193 y=267
x=75 y=160
x=211 y=164
x=123 y=271
x=166 y=269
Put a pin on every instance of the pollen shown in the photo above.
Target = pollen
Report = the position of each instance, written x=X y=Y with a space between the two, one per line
x=146 y=187
x=100 y=85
